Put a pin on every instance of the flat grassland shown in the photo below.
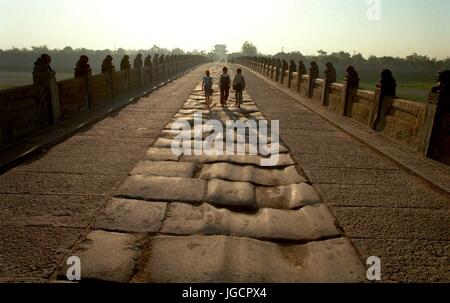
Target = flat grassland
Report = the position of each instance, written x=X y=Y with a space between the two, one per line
x=9 y=79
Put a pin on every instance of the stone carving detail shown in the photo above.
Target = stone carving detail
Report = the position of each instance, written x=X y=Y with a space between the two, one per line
x=388 y=87
x=156 y=59
x=148 y=61
x=107 y=66
x=387 y=84
x=352 y=77
x=330 y=72
x=314 y=70
x=439 y=99
x=292 y=67
x=301 y=68
x=443 y=86
x=125 y=63
x=42 y=64
x=137 y=64
x=83 y=68
x=277 y=70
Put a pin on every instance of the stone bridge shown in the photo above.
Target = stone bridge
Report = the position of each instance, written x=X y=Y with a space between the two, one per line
x=93 y=175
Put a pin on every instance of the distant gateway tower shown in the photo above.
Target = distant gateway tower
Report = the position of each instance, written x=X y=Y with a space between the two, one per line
x=220 y=51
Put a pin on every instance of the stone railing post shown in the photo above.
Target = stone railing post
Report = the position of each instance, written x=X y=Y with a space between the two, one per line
x=264 y=66
x=375 y=107
x=328 y=79
x=148 y=69
x=430 y=118
x=284 y=69
x=301 y=72
x=349 y=90
x=292 y=70
x=156 y=68
x=162 y=63
x=277 y=70
x=435 y=137
x=313 y=75
x=272 y=69
x=384 y=95
x=47 y=80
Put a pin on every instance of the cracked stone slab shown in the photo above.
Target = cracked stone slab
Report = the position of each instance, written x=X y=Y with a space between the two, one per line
x=287 y=197
x=307 y=224
x=161 y=154
x=108 y=256
x=192 y=111
x=163 y=189
x=164 y=169
x=261 y=176
x=170 y=134
x=243 y=260
x=227 y=193
x=132 y=216
x=283 y=159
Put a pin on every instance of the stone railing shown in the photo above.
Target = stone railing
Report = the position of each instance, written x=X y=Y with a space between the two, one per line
x=25 y=110
x=424 y=127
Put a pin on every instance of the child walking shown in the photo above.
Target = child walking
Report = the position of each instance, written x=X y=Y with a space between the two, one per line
x=239 y=87
x=207 y=87
x=224 y=84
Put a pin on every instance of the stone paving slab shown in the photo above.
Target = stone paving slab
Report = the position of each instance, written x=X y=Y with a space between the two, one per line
x=236 y=194
x=164 y=169
x=163 y=189
x=161 y=154
x=287 y=197
x=269 y=177
x=283 y=160
x=308 y=224
x=242 y=260
x=132 y=216
x=108 y=256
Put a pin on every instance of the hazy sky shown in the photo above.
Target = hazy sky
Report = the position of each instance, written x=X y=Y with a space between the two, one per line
x=405 y=26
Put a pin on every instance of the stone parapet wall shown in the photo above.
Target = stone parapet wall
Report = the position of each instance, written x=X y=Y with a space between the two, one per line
x=25 y=110
x=406 y=121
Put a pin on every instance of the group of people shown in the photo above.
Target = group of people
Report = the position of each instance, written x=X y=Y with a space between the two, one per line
x=225 y=84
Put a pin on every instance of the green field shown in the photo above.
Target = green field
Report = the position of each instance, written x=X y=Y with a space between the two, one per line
x=10 y=79
x=409 y=90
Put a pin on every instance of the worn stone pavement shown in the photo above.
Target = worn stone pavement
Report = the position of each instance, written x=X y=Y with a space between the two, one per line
x=215 y=218
x=117 y=197
x=386 y=211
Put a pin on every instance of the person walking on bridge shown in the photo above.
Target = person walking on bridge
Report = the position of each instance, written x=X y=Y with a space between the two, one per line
x=239 y=87
x=207 y=87
x=225 y=83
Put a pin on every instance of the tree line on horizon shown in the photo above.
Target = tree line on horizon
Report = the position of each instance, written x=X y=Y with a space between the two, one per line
x=64 y=60
x=414 y=65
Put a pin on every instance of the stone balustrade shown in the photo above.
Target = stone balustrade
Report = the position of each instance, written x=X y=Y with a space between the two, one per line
x=423 y=127
x=25 y=110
